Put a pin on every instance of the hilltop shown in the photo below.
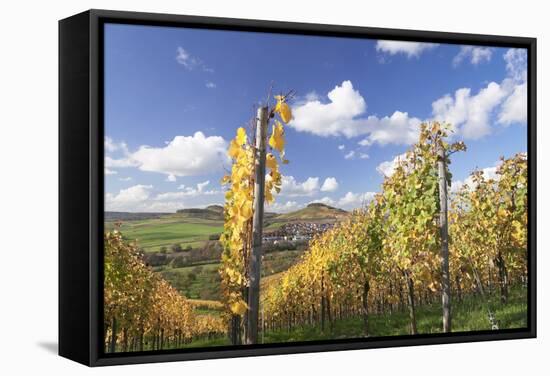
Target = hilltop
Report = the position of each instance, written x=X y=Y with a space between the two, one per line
x=112 y=216
x=212 y=212
x=313 y=212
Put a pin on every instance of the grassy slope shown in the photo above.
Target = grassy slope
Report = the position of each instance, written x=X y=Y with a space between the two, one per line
x=155 y=233
x=194 y=282
x=203 y=281
x=469 y=315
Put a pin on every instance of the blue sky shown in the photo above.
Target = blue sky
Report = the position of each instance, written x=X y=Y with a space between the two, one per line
x=174 y=97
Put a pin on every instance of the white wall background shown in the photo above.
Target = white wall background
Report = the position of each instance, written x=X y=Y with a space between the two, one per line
x=28 y=188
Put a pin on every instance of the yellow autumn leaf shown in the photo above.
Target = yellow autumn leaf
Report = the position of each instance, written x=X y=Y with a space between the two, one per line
x=277 y=139
x=226 y=179
x=270 y=161
x=239 y=307
x=241 y=136
x=284 y=111
x=246 y=210
x=234 y=149
x=268 y=196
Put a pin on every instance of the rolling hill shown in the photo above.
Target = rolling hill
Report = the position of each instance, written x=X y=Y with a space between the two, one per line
x=194 y=226
x=212 y=212
x=313 y=212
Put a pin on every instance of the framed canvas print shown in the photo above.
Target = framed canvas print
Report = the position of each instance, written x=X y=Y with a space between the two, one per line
x=239 y=187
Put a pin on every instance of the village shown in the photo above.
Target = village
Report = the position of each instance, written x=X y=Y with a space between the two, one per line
x=296 y=231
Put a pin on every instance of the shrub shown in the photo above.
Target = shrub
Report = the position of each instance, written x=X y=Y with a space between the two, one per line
x=179 y=262
x=176 y=248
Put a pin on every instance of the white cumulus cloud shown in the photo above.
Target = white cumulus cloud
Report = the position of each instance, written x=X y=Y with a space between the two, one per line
x=128 y=199
x=387 y=168
x=488 y=173
x=516 y=63
x=292 y=188
x=325 y=200
x=189 y=61
x=365 y=142
x=514 y=108
x=470 y=114
x=119 y=163
x=142 y=198
x=329 y=185
x=411 y=49
x=183 y=156
x=355 y=200
x=345 y=115
x=350 y=155
x=333 y=118
x=474 y=54
x=283 y=208
x=111 y=146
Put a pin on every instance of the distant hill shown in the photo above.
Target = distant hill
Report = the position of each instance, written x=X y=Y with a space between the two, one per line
x=111 y=216
x=212 y=212
x=313 y=212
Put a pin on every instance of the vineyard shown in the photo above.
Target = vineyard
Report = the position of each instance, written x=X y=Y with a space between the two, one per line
x=418 y=254
x=387 y=255
x=142 y=311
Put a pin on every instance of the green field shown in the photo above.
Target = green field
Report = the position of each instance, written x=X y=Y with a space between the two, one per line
x=194 y=282
x=202 y=281
x=166 y=231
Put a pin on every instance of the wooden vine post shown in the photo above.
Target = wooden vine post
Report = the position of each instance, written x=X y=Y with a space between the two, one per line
x=445 y=277
x=257 y=230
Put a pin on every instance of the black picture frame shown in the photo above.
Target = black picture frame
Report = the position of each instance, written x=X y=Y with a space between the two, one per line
x=81 y=185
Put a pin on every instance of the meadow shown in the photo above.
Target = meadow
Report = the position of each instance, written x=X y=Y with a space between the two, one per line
x=169 y=230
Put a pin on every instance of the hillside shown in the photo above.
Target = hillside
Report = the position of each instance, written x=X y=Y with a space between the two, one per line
x=212 y=212
x=313 y=212
x=111 y=216
x=194 y=226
